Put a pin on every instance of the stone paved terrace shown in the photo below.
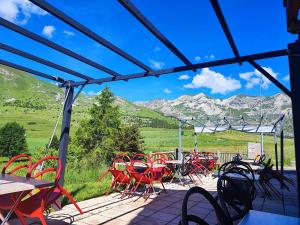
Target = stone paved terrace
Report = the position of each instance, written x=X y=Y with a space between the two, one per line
x=161 y=209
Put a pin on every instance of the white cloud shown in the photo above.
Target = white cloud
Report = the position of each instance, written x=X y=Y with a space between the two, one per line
x=91 y=93
x=19 y=11
x=287 y=78
x=217 y=82
x=197 y=58
x=156 y=49
x=210 y=57
x=167 y=91
x=156 y=64
x=68 y=33
x=48 y=31
x=254 y=78
x=184 y=77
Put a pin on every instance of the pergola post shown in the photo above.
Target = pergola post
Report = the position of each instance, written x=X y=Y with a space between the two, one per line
x=294 y=66
x=281 y=147
x=276 y=148
x=180 y=140
x=196 y=142
x=65 y=131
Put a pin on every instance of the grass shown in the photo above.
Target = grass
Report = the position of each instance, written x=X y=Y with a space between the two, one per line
x=82 y=183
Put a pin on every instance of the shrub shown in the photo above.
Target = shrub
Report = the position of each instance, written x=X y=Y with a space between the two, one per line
x=12 y=139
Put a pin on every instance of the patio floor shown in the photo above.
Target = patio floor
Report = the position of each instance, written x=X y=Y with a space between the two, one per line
x=161 y=209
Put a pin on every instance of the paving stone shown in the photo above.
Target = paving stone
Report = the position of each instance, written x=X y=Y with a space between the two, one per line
x=166 y=217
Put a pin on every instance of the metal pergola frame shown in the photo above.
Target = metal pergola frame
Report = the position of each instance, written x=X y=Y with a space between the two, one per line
x=246 y=127
x=292 y=51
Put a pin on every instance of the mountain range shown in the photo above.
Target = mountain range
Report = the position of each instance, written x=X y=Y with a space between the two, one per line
x=23 y=90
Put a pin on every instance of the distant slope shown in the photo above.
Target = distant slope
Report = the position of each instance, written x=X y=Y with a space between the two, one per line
x=22 y=89
x=26 y=91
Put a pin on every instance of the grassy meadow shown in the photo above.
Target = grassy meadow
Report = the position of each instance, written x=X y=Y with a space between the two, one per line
x=83 y=183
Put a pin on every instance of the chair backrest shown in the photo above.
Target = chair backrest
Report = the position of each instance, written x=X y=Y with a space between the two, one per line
x=26 y=164
x=140 y=157
x=121 y=158
x=41 y=171
x=235 y=164
x=186 y=218
x=235 y=194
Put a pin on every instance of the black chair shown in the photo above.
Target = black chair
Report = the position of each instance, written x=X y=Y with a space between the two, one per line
x=267 y=178
x=186 y=218
x=243 y=166
x=235 y=195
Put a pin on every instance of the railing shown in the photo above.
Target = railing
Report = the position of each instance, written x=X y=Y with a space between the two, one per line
x=227 y=156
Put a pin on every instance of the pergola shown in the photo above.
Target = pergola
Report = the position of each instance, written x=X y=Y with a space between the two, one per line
x=241 y=125
x=292 y=52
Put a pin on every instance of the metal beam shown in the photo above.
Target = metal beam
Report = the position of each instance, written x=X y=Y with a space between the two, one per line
x=292 y=14
x=43 y=61
x=192 y=67
x=28 y=70
x=55 y=46
x=140 y=17
x=65 y=131
x=294 y=66
x=67 y=19
x=271 y=78
x=221 y=18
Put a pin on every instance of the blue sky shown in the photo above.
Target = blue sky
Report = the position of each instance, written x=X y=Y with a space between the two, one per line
x=191 y=25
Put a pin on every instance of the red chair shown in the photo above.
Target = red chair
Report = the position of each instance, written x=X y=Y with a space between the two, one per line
x=159 y=172
x=26 y=165
x=7 y=201
x=120 y=176
x=37 y=203
x=145 y=177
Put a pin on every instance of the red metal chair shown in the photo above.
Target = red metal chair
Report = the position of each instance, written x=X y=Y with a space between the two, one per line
x=161 y=158
x=120 y=176
x=146 y=177
x=35 y=205
x=7 y=201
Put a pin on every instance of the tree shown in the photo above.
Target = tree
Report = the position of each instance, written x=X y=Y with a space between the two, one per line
x=98 y=135
x=12 y=139
x=55 y=143
x=130 y=139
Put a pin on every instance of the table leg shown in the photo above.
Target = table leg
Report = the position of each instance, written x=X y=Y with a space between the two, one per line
x=7 y=217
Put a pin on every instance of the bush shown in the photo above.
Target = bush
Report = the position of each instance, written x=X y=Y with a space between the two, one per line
x=12 y=139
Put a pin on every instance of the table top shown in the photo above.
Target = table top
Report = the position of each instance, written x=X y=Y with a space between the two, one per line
x=257 y=217
x=238 y=176
x=137 y=164
x=13 y=184
x=175 y=161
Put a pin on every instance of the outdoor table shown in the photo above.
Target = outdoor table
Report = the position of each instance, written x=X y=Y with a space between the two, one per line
x=256 y=168
x=257 y=217
x=176 y=168
x=19 y=186
x=248 y=160
x=137 y=164
x=236 y=176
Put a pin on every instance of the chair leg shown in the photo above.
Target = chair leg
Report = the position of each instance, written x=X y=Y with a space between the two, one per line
x=20 y=217
x=2 y=218
x=162 y=184
x=64 y=192
x=42 y=219
x=124 y=192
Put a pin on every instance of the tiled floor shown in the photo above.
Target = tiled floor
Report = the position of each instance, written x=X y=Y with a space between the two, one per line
x=162 y=209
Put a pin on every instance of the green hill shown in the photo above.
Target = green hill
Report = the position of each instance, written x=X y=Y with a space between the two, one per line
x=35 y=104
